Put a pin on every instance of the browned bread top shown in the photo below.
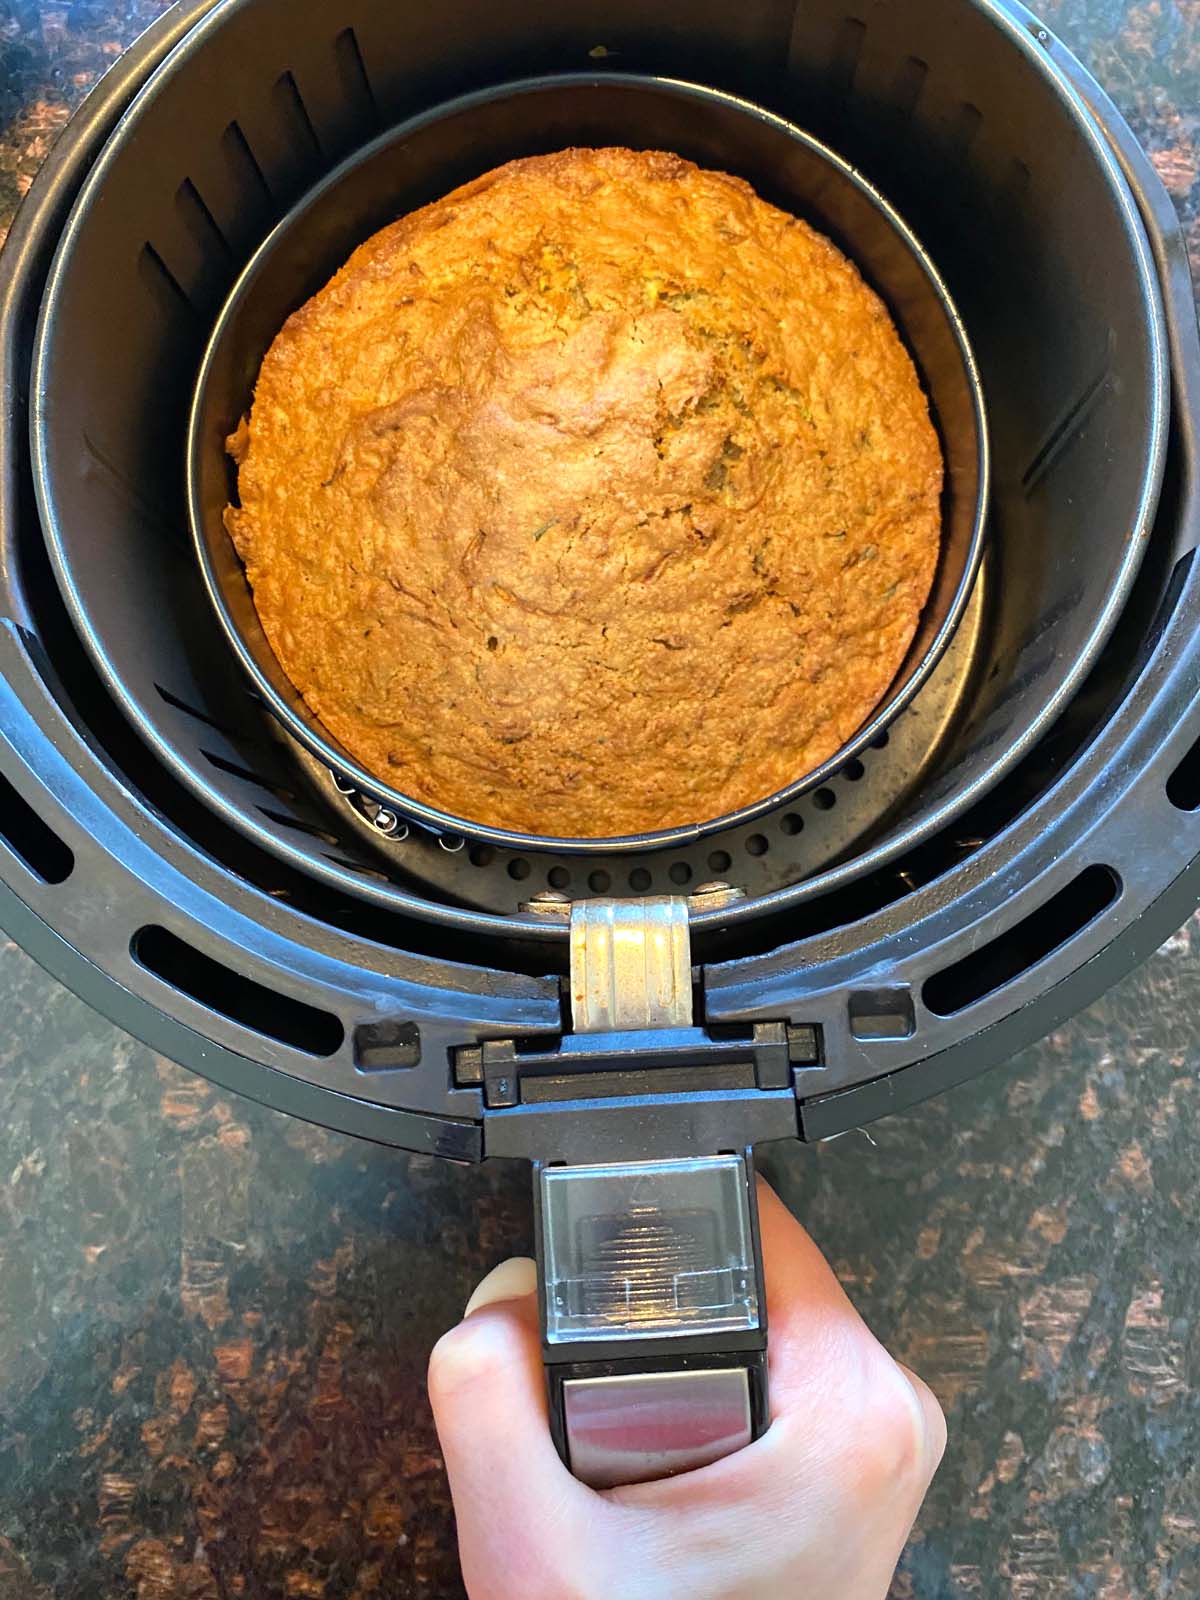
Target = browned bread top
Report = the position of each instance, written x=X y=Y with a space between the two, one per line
x=597 y=497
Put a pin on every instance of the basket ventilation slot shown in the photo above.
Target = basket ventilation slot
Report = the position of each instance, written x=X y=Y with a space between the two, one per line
x=294 y=113
x=242 y=158
x=1067 y=429
x=910 y=81
x=199 y=220
x=352 y=70
x=279 y=790
x=970 y=120
x=1183 y=786
x=219 y=988
x=1065 y=915
x=295 y=823
x=31 y=839
x=163 y=282
x=192 y=711
x=847 y=52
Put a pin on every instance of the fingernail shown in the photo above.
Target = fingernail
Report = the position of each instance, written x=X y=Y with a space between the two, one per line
x=511 y=1280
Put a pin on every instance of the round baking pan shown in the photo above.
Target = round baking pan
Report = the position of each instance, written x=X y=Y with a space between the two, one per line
x=431 y=155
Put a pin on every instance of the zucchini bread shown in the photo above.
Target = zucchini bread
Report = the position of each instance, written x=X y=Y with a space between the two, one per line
x=596 y=498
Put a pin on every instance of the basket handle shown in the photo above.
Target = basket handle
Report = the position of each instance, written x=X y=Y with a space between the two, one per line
x=653 y=1315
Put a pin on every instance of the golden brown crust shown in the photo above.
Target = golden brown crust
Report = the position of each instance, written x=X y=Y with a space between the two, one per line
x=596 y=498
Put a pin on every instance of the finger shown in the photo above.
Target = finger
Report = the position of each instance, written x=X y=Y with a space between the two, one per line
x=879 y=1426
x=843 y=1411
x=813 y=1327
x=488 y=1394
x=797 y=1274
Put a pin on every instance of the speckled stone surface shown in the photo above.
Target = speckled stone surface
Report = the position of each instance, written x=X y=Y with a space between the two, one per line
x=214 y=1321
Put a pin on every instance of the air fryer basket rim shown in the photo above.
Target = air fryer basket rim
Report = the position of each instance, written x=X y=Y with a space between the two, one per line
x=132 y=859
x=910 y=677
x=908 y=835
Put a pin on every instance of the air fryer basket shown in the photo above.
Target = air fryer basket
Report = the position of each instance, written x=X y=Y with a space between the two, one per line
x=243 y=118
x=433 y=154
x=1028 y=829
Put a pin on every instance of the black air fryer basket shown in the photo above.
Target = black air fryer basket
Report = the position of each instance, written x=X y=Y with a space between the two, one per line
x=1021 y=834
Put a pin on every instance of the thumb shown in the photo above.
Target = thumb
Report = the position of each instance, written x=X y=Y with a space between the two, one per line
x=488 y=1394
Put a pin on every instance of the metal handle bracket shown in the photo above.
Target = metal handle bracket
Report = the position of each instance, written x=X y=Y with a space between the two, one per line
x=631 y=964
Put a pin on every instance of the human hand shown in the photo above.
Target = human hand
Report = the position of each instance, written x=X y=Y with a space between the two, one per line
x=819 y=1507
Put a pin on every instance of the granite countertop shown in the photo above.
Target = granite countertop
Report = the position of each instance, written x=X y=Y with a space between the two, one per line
x=214 y=1320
